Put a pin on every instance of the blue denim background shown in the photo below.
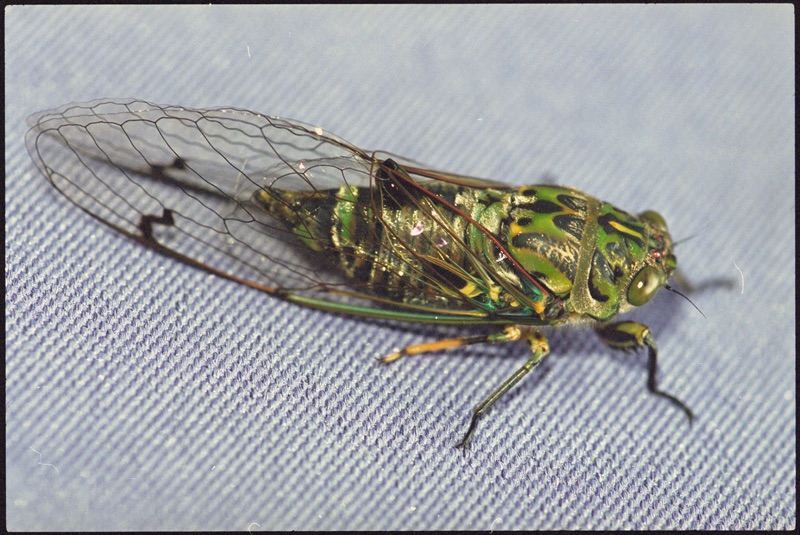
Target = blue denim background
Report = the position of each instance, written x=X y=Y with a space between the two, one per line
x=142 y=394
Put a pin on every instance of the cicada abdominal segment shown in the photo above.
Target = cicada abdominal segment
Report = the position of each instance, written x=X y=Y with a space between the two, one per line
x=303 y=215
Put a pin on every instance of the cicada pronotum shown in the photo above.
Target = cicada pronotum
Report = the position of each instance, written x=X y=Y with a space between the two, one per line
x=304 y=216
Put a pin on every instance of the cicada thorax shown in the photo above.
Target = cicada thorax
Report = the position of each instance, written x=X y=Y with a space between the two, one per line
x=584 y=251
x=543 y=228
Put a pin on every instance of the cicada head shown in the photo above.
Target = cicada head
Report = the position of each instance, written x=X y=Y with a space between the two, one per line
x=656 y=265
x=632 y=259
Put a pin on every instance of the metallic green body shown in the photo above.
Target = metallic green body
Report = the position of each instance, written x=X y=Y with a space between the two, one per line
x=537 y=255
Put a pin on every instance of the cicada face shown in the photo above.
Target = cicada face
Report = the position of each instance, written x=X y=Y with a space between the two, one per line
x=633 y=259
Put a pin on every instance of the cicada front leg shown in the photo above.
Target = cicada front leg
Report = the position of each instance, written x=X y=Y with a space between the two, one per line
x=539 y=347
x=628 y=335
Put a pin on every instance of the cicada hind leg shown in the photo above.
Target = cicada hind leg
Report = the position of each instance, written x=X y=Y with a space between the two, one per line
x=539 y=347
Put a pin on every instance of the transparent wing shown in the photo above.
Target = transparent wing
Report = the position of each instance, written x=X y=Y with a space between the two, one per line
x=122 y=160
x=187 y=182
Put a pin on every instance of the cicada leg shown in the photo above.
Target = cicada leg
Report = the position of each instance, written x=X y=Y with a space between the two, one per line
x=448 y=343
x=627 y=335
x=512 y=333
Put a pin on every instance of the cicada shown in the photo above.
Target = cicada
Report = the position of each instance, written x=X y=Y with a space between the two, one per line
x=307 y=217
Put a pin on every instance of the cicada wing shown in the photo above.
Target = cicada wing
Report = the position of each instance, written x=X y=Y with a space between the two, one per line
x=201 y=184
x=125 y=160
x=421 y=172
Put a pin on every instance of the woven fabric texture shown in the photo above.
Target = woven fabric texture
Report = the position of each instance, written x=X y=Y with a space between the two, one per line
x=142 y=394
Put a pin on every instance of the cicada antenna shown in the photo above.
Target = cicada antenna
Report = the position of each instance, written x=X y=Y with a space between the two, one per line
x=673 y=290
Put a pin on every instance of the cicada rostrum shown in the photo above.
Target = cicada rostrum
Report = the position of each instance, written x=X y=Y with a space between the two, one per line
x=306 y=217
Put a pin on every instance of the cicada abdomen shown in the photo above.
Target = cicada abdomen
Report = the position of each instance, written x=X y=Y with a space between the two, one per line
x=307 y=217
x=420 y=245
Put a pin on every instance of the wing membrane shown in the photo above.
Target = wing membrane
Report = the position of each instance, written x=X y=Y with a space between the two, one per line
x=133 y=164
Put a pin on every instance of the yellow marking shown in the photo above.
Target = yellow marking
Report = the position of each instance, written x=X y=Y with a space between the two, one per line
x=624 y=229
x=538 y=307
x=470 y=290
x=494 y=294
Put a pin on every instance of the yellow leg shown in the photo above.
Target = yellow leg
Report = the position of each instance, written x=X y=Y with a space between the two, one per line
x=509 y=334
x=512 y=333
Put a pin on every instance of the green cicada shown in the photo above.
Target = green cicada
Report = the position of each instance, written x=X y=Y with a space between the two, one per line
x=309 y=218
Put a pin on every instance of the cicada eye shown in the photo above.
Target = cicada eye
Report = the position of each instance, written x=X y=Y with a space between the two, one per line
x=655 y=219
x=644 y=286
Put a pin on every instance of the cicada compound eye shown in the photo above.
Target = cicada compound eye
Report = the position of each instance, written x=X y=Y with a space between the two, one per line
x=655 y=219
x=644 y=286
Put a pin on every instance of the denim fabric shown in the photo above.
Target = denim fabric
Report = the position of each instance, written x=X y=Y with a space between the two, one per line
x=142 y=394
